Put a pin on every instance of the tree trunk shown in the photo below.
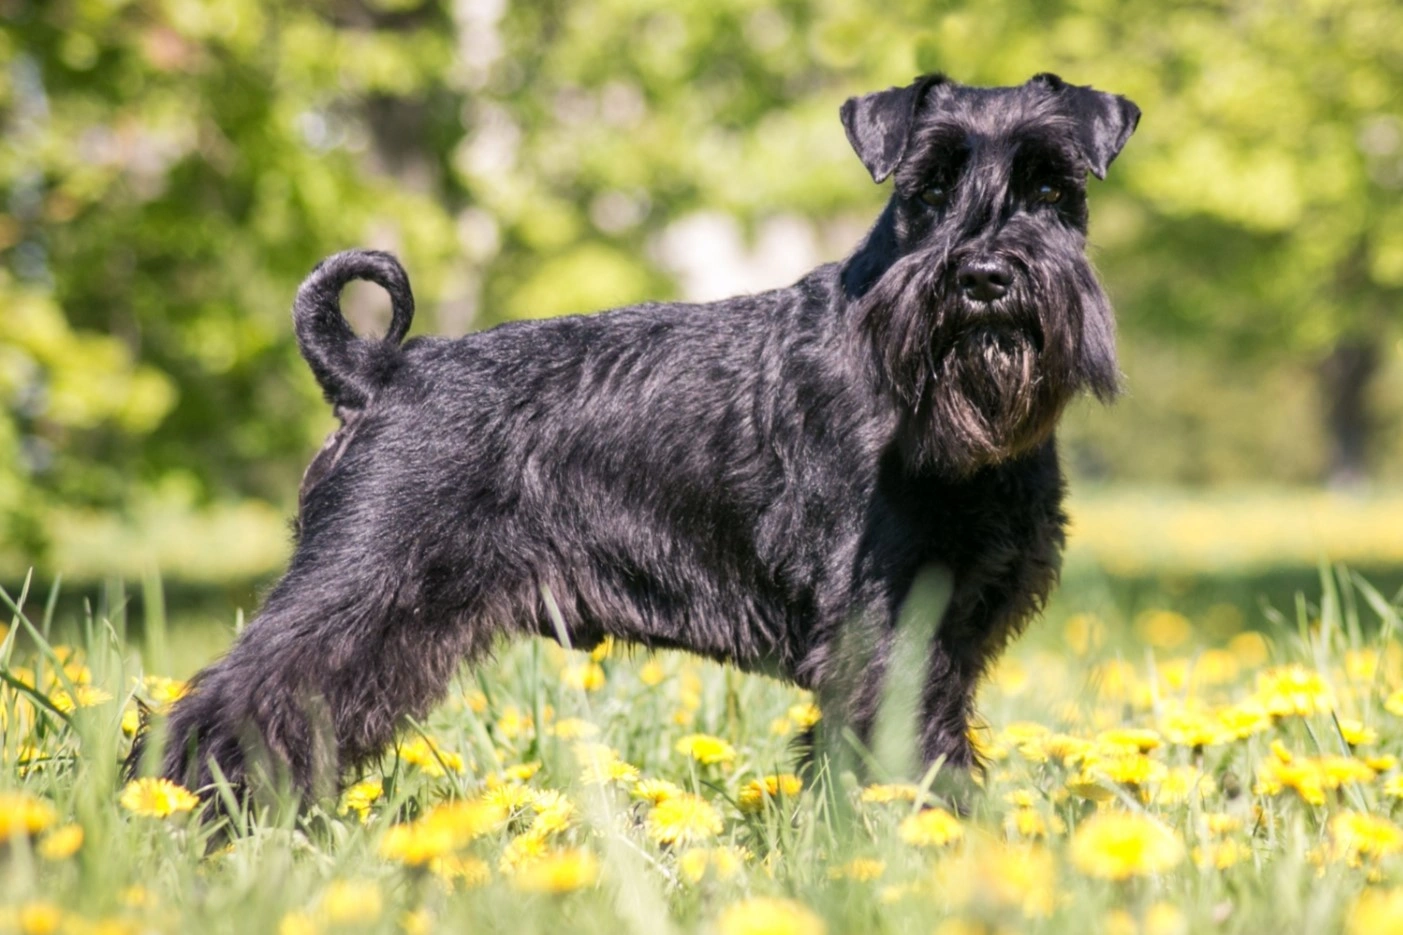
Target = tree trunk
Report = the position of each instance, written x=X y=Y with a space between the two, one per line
x=1345 y=374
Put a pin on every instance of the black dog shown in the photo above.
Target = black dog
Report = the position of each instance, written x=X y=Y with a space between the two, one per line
x=749 y=479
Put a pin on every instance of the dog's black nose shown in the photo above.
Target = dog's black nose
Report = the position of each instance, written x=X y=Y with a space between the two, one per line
x=984 y=280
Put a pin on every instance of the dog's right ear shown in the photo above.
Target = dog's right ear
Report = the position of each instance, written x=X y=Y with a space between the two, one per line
x=879 y=124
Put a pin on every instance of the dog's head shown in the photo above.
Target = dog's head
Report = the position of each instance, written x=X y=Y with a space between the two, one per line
x=974 y=288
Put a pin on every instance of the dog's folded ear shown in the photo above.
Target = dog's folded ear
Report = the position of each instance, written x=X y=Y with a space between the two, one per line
x=1105 y=121
x=879 y=124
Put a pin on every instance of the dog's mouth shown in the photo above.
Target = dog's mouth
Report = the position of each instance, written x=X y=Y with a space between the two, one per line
x=997 y=342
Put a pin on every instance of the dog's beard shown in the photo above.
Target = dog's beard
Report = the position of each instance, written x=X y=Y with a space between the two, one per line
x=982 y=383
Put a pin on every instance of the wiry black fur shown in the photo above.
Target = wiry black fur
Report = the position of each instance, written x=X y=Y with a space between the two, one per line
x=747 y=479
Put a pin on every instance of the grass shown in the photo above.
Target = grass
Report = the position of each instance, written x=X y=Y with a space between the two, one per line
x=1151 y=771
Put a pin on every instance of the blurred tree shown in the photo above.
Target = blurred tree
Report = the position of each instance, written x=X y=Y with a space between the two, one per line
x=171 y=168
x=1259 y=213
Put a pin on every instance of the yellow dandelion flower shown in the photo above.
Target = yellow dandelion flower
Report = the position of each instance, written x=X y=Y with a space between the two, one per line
x=586 y=677
x=1165 y=918
x=1089 y=786
x=683 y=819
x=352 y=901
x=298 y=922
x=603 y=650
x=509 y=796
x=61 y=843
x=804 y=715
x=1181 y=784
x=476 y=701
x=1336 y=771
x=1221 y=823
x=426 y=754
x=1065 y=748
x=460 y=870
x=1193 y=729
x=1275 y=777
x=1127 y=769
x=157 y=798
x=1025 y=823
x=1242 y=720
x=656 y=790
x=706 y=749
x=521 y=772
x=1250 y=648
x=754 y=794
x=1115 y=680
x=22 y=813
x=989 y=876
x=441 y=831
x=554 y=812
x=1393 y=787
x=931 y=827
x=1117 y=846
x=131 y=722
x=467 y=818
x=521 y=851
x=1356 y=734
x=417 y=844
x=1293 y=690
x=1025 y=738
x=1216 y=667
x=986 y=749
x=763 y=915
x=1376 y=912
x=40 y=918
x=600 y=765
x=1361 y=665
x=360 y=796
x=1381 y=762
x=1140 y=739
x=1010 y=676
x=1022 y=798
x=84 y=696
x=1357 y=836
x=722 y=863
x=1083 y=633
x=574 y=728
x=514 y=723
x=1164 y=629
x=885 y=793
x=558 y=872
x=859 y=869
x=1220 y=855
x=652 y=673
x=163 y=691
x=416 y=922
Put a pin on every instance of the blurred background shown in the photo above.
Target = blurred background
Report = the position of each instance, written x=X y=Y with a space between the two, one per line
x=172 y=168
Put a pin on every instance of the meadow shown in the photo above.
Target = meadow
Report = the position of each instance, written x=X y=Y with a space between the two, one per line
x=1226 y=768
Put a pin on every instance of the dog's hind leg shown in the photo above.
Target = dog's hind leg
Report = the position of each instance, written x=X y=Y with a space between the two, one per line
x=317 y=684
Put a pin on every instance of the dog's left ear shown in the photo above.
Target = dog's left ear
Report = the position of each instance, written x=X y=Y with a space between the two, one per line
x=879 y=124
x=1105 y=121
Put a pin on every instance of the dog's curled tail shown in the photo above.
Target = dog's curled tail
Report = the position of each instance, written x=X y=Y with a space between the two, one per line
x=350 y=369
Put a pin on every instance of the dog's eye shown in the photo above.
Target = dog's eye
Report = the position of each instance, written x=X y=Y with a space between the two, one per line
x=935 y=196
x=1048 y=194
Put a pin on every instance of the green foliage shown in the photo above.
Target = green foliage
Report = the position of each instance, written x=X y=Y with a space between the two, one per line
x=171 y=168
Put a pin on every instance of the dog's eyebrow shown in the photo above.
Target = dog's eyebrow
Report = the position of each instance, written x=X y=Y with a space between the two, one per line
x=1037 y=145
